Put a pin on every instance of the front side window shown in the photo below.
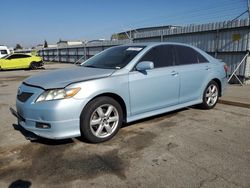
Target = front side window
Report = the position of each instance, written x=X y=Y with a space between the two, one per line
x=161 y=56
x=24 y=56
x=17 y=56
x=11 y=57
x=3 y=52
x=187 y=55
x=114 y=58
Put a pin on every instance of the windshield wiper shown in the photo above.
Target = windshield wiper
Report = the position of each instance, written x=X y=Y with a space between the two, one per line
x=91 y=66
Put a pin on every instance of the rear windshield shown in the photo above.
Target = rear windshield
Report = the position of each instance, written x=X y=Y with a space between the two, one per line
x=114 y=58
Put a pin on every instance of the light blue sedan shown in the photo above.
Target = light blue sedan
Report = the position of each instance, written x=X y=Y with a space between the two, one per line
x=119 y=85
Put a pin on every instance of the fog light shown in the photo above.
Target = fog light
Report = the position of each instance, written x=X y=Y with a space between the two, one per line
x=42 y=125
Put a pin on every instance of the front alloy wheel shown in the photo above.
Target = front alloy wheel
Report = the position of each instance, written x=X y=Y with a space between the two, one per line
x=104 y=121
x=101 y=119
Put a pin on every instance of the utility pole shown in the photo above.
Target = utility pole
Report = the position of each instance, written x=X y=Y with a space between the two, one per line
x=248 y=3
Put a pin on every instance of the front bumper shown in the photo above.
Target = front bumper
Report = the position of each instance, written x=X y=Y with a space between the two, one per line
x=40 y=64
x=62 y=116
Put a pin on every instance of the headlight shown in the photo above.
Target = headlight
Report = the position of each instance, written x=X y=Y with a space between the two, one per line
x=56 y=94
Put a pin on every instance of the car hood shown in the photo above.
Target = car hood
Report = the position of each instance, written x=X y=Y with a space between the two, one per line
x=63 y=77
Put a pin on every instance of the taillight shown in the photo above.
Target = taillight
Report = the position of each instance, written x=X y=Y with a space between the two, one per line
x=225 y=68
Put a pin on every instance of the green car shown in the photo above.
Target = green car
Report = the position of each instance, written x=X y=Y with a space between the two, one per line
x=20 y=61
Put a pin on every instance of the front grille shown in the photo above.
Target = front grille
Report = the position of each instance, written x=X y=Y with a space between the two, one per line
x=24 y=96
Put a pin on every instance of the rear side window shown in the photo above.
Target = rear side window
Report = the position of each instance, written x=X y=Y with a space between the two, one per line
x=3 y=52
x=16 y=56
x=161 y=56
x=187 y=55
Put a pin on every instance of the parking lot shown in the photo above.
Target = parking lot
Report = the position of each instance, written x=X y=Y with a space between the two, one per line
x=186 y=148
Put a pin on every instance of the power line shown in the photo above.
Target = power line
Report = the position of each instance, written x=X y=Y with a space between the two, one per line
x=202 y=10
x=196 y=18
x=206 y=13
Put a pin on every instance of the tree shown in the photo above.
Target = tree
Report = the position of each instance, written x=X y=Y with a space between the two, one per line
x=45 y=44
x=18 y=47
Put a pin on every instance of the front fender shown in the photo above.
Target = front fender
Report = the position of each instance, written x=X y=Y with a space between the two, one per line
x=117 y=85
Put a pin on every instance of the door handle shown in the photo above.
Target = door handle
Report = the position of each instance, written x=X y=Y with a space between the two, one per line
x=208 y=68
x=174 y=73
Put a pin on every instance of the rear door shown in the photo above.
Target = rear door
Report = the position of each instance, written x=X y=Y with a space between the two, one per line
x=193 y=69
x=156 y=88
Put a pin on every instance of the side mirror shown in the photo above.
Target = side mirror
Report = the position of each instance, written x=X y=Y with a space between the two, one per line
x=144 y=65
x=78 y=64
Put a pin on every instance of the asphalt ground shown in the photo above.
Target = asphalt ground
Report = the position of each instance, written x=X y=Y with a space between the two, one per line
x=185 y=148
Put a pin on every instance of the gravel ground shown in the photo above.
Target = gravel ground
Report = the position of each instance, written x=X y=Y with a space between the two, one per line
x=186 y=148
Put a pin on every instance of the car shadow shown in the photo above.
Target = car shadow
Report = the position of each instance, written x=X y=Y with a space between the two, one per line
x=20 y=184
x=10 y=70
x=39 y=68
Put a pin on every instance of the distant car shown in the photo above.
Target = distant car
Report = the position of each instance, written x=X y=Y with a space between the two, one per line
x=20 y=61
x=4 y=51
x=121 y=84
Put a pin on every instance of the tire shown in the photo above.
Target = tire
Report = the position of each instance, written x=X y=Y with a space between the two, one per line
x=210 y=95
x=33 y=66
x=106 y=116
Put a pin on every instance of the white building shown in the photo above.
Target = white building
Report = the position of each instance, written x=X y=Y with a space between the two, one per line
x=65 y=43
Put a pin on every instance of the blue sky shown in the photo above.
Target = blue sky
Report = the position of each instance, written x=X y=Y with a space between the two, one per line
x=30 y=22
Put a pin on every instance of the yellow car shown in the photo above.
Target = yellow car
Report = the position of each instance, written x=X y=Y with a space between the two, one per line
x=20 y=61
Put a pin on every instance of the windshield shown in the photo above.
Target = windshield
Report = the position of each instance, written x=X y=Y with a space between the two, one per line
x=114 y=58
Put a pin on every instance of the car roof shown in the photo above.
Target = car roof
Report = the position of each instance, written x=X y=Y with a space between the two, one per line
x=20 y=54
x=151 y=44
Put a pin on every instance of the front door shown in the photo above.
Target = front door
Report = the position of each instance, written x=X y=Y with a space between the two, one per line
x=156 y=88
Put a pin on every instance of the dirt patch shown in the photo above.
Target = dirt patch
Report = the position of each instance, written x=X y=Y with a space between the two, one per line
x=171 y=146
x=197 y=119
x=3 y=105
x=167 y=124
x=4 y=85
x=53 y=164
x=160 y=118
x=12 y=79
x=138 y=141
x=233 y=113
x=4 y=94
x=50 y=164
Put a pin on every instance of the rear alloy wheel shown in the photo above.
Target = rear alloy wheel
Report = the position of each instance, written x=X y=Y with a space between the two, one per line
x=210 y=95
x=101 y=119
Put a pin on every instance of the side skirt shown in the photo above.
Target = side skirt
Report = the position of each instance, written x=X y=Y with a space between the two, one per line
x=162 y=110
